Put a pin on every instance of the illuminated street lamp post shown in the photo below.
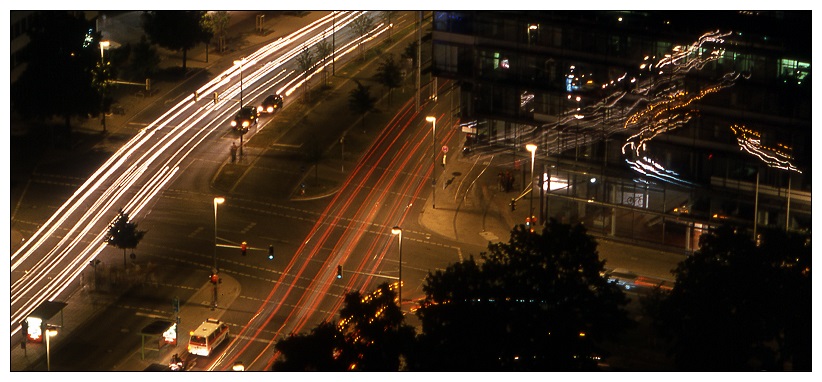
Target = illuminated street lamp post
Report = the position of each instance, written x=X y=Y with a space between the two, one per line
x=217 y=200
x=533 y=149
x=103 y=45
x=433 y=121
x=50 y=332
x=398 y=231
x=241 y=62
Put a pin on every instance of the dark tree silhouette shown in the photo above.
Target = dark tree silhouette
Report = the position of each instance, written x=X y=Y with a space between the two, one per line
x=360 y=101
x=362 y=26
x=318 y=351
x=124 y=234
x=61 y=57
x=177 y=30
x=370 y=336
x=389 y=74
x=536 y=303
x=144 y=61
x=737 y=306
x=323 y=50
x=306 y=61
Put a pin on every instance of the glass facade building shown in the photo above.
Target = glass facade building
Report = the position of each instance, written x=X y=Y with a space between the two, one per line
x=689 y=118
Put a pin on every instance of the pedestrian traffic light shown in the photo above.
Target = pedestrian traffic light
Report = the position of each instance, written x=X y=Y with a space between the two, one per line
x=271 y=252
x=243 y=248
x=513 y=204
x=339 y=271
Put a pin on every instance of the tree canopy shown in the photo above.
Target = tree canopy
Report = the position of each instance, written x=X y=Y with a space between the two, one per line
x=60 y=59
x=370 y=336
x=737 y=306
x=389 y=74
x=124 y=234
x=539 y=302
x=177 y=30
x=360 y=100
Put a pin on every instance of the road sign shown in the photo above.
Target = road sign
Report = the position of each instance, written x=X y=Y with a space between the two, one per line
x=444 y=149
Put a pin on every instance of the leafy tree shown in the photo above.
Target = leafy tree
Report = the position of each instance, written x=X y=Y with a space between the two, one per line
x=306 y=61
x=360 y=100
x=124 y=234
x=737 y=306
x=323 y=49
x=176 y=30
x=389 y=74
x=536 y=303
x=101 y=78
x=60 y=56
x=362 y=25
x=217 y=23
x=370 y=336
x=318 y=351
x=144 y=61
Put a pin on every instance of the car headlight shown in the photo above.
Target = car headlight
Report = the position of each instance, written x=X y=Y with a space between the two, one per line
x=233 y=123
x=259 y=109
x=246 y=123
x=271 y=108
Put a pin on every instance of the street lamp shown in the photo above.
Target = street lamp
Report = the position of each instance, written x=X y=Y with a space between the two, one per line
x=433 y=121
x=241 y=128
x=398 y=231
x=240 y=62
x=217 y=200
x=103 y=45
x=50 y=332
x=533 y=149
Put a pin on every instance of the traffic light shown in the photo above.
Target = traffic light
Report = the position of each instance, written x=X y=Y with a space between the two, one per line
x=513 y=204
x=271 y=252
x=243 y=248
x=214 y=278
x=339 y=271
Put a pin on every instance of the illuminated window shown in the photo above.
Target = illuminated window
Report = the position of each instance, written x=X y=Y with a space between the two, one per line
x=794 y=69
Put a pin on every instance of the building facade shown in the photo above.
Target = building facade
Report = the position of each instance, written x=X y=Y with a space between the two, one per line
x=687 y=119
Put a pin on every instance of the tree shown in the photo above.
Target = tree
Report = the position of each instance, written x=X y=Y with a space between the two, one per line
x=360 y=101
x=306 y=61
x=144 y=61
x=389 y=74
x=370 y=336
x=737 y=306
x=124 y=234
x=217 y=23
x=318 y=351
x=60 y=56
x=362 y=26
x=537 y=303
x=176 y=30
x=323 y=49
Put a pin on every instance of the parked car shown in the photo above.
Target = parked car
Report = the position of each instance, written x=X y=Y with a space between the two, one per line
x=245 y=118
x=271 y=103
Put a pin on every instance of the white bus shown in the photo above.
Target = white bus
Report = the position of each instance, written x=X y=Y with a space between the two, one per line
x=208 y=336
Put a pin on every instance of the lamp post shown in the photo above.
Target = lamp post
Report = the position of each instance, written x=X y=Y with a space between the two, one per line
x=433 y=121
x=533 y=149
x=241 y=128
x=103 y=45
x=217 y=200
x=398 y=231
x=50 y=332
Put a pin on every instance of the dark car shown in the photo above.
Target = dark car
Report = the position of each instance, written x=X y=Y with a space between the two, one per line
x=271 y=103
x=245 y=117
